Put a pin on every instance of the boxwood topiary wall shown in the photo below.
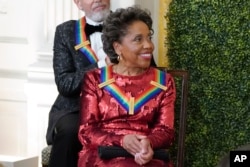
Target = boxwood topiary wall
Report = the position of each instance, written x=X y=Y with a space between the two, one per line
x=211 y=39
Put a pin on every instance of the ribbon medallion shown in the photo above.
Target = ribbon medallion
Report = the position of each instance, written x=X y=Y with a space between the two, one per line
x=82 y=44
x=132 y=104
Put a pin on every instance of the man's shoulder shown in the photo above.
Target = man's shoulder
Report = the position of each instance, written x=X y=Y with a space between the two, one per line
x=68 y=23
x=66 y=27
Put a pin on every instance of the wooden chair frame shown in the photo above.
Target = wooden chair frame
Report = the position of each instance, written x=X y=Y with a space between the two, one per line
x=184 y=75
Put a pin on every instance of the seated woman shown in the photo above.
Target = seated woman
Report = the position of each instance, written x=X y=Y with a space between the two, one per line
x=128 y=104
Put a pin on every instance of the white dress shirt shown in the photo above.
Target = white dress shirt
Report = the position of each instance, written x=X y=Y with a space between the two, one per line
x=96 y=44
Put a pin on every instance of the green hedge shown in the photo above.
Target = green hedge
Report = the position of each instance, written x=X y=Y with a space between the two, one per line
x=211 y=39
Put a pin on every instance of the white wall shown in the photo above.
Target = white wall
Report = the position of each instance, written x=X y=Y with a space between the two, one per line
x=14 y=59
x=27 y=88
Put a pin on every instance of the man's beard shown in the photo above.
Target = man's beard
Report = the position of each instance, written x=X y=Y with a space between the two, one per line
x=99 y=16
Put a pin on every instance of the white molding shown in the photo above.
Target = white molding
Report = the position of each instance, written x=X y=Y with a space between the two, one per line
x=16 y=40
x=15 y=74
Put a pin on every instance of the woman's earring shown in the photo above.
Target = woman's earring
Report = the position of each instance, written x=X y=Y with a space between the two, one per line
x=118 y=58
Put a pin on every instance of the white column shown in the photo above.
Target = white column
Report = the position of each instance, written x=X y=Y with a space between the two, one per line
x=40 y=89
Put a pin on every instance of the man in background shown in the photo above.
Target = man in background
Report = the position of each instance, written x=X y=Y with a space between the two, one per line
x=77 y=49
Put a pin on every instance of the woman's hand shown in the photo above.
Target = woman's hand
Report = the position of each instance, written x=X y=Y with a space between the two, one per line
x=146 y=153
x=139 y=146
x=132 y=143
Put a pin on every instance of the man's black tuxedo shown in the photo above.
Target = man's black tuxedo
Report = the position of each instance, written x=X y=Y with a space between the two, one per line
x=69 y=67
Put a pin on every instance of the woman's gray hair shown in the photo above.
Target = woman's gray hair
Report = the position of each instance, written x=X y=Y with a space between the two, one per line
x=115 y=27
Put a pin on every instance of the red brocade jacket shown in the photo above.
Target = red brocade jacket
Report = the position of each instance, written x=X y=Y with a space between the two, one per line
x=107 y=113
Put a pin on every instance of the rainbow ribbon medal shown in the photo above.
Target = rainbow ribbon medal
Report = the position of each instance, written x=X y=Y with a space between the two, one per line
x=82 y=43
x=132 y=104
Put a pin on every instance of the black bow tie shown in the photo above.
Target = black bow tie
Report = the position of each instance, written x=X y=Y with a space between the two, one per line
x=90 y=29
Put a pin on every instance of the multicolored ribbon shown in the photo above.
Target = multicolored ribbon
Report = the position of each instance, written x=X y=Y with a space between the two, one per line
x=82 y=43
x=132 y=104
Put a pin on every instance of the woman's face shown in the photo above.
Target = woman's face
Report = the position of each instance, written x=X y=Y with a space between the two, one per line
x=136 y=47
